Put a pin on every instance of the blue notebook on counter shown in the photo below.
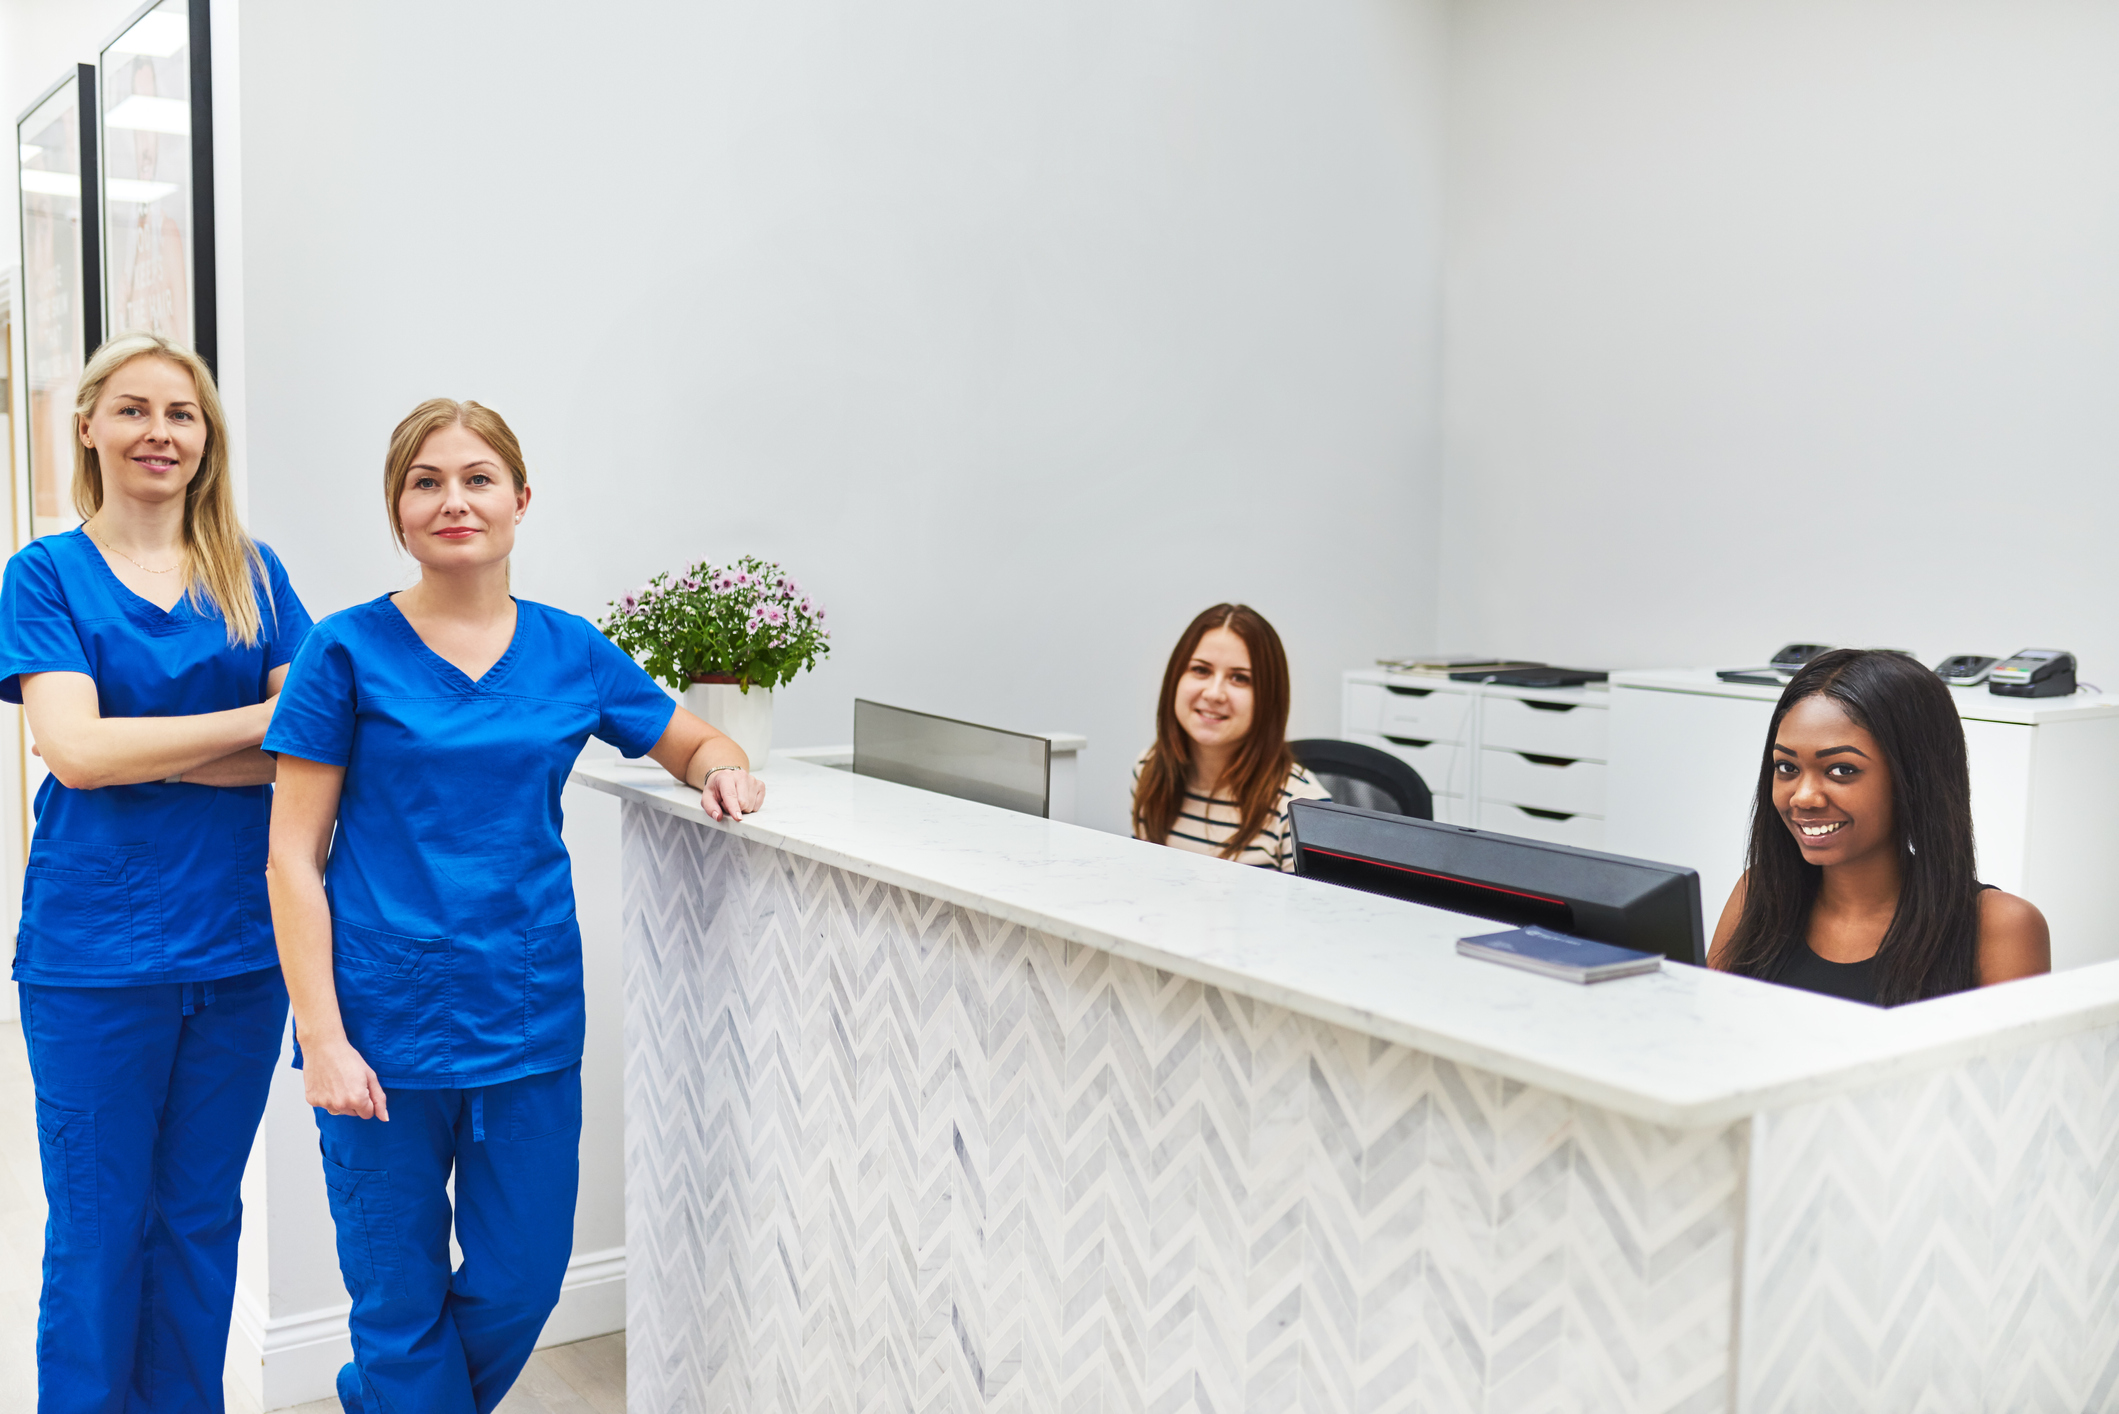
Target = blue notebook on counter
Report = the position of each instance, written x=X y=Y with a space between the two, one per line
x=1561 y=955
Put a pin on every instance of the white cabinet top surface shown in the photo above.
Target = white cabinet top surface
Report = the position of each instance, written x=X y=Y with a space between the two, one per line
x=1974 y=702
x=1589 y=695
x=1683 y=1046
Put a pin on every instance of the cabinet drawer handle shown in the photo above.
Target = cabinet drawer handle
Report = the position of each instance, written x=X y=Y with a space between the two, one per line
x=1408 y=741
x=1407 y=691
x=1537 y=706
x=1536 y=760
x=1545 y=814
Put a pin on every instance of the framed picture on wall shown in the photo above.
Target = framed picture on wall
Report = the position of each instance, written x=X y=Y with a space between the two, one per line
x=155 y=77
x=61 y=286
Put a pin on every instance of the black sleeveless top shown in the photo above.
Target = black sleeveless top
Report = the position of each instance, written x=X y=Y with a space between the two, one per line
x=1855 y=981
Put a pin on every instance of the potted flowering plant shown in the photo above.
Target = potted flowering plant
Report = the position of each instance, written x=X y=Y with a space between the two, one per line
x=725 y=636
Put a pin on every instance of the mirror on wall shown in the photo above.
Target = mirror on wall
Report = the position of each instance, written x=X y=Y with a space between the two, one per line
x=157 y=177
x=61 y=318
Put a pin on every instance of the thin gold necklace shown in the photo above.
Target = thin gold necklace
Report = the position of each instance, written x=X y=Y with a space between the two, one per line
x=147 y=569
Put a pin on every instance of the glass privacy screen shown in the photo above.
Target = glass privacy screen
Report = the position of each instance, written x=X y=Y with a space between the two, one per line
x=1010 y=769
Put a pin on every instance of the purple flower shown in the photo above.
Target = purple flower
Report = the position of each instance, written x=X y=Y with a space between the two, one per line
x=774 y=616
x=627 y=603
x=690 y=583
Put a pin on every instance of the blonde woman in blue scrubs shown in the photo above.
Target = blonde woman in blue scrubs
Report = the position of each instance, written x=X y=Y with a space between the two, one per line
x=433 y=958
x=146 y=647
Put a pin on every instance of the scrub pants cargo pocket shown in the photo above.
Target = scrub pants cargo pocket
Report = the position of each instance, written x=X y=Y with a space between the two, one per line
x=66 y=1141
x=364 y=1211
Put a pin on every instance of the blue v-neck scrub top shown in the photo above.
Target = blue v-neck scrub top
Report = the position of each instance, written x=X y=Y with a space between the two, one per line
x=136 y=885
x=454 y=945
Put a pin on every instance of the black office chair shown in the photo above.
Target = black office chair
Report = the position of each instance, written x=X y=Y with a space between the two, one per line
x=1365 y=777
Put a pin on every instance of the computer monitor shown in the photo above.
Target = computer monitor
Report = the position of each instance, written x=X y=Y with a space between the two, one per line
x=1634 y=903
x=994 y=767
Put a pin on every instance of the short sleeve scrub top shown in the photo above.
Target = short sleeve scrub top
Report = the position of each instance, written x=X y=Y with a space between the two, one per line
x=455 y=951
x=157 y=882
x=151 y=995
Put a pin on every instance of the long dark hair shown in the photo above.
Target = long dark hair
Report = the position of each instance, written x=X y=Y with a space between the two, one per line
x=1263 y=761
x=1932 y=946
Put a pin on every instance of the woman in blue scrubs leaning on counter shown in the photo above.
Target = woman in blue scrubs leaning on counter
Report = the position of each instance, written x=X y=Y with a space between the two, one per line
x=146 y=647
x=1860 y=881
x=434 y=961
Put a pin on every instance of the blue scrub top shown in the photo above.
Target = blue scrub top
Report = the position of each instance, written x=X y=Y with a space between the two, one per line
x=133 y=885
x=454 y=945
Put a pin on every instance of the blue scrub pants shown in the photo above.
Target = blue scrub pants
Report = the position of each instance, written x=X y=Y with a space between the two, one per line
x=426 y=1340
x=147 y=1101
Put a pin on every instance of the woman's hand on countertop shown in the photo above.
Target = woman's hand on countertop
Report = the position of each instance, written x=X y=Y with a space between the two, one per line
x=731 y=795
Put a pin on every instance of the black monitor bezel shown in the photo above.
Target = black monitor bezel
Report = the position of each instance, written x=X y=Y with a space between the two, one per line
x=1688 y=879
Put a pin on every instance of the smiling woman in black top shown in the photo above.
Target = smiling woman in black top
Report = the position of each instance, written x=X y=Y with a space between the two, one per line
x=1860 y=880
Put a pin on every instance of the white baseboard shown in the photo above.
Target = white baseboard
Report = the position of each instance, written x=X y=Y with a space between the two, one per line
x=283 y=1361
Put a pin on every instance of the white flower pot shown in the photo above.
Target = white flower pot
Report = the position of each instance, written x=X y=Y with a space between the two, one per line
x=744 y=717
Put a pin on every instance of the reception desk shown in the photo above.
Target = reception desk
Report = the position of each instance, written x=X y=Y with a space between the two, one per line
x=935 y=1106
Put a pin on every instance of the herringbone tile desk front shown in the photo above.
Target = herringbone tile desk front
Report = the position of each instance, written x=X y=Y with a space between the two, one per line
x=884 y=1153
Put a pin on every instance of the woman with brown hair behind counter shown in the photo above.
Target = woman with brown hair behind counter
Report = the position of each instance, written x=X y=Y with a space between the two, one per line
x=1220 y=777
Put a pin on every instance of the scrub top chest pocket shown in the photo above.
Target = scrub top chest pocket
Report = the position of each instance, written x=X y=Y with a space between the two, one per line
x=151 y=882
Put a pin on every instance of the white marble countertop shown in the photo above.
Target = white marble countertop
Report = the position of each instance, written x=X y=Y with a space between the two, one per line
x=1974 y=702
x=1682 y=1046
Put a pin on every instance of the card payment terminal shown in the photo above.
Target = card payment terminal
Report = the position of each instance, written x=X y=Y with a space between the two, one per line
x=2034 y=672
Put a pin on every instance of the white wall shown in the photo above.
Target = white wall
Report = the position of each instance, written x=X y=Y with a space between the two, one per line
x=1782 y=320
x=1019 y=333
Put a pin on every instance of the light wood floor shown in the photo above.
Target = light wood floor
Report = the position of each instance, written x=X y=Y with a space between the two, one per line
x=587 y=1377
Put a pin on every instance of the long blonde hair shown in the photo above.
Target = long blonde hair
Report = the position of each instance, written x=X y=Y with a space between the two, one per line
x=429 y=418
x=222 y=566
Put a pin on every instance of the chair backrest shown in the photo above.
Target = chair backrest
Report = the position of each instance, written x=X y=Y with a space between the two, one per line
x=1366 y=777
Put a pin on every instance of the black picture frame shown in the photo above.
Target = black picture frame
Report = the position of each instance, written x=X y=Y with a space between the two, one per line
x=52 y=361
x=121 y=303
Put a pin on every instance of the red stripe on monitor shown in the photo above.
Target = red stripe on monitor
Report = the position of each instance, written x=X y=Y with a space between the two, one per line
x=1425 y=874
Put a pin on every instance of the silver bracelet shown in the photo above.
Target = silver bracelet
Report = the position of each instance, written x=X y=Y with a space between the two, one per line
x=710 y=774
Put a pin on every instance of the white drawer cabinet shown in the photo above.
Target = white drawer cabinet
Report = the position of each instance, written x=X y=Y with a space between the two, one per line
x=1544 y=782
x=1544 y=726
x=1441 y=765
x=1425 y=715
x=1581 y=831
x=1492 y=756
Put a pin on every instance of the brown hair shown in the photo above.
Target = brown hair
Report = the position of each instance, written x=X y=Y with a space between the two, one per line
x=429 y=418
x=222 y=565
x=1262 y=762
